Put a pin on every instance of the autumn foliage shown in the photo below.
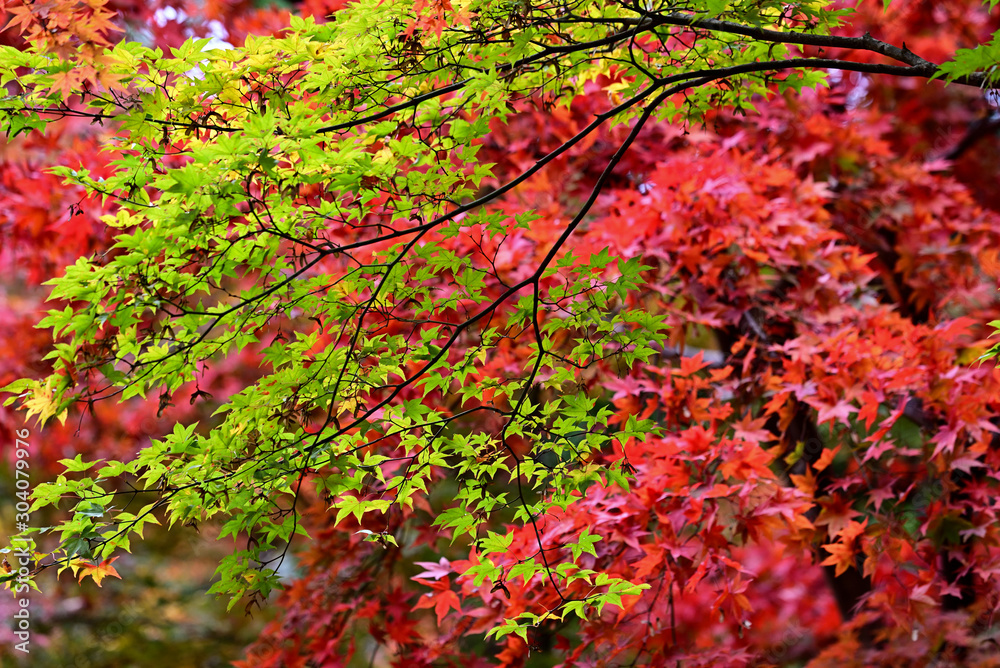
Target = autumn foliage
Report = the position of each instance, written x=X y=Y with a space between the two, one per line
x=816 y=481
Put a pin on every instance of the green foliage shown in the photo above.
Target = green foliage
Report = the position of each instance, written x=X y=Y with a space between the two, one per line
x=983 y=58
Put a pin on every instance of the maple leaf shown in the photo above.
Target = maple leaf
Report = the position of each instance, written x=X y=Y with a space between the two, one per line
x=652 y=562
x=747 y=461
x=434 y=570
x=880 y=495
x=691 y=365
x=775 y=403
x=64 y=83
x=98 y=571
x=836 y=514
x=966 y=463
x=878 y=449
x=805 y=482
x=945 y=440
x=403 y=630
x=21 y=16
x=826 y=458
x=752 y=430
x=841 y=412
x=841 y=556
x=699 y=574
x=442 y=599
x=842 y=553
x=41 y=402
x=870 y=402
x=919 y=594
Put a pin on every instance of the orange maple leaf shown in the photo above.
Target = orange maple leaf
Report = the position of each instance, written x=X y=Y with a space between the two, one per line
x=21 y=16
x=99 y=571
x=842 y=554
x=64 y=83
x=826 y=458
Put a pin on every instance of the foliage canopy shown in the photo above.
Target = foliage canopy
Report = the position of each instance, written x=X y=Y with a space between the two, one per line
x=331 y=205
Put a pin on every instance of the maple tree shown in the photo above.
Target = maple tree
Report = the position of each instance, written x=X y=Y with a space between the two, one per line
x=452 y=263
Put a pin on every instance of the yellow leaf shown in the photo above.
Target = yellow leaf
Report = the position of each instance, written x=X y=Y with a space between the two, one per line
x=42 y=402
